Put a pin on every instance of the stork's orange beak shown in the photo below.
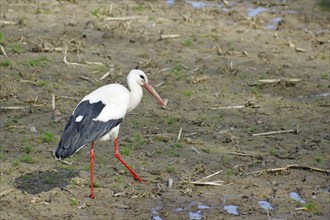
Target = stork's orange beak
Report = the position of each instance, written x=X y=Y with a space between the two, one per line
x=154 y=93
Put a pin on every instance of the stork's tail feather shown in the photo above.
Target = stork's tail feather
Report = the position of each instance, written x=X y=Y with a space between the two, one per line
x=63 y=152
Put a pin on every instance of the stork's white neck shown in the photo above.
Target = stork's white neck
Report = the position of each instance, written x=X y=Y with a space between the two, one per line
x=136 y=94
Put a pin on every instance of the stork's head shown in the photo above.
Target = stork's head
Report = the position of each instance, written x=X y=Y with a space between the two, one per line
x=140 y=77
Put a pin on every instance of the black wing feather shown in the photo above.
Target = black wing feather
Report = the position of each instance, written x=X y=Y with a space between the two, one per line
x=77 y=134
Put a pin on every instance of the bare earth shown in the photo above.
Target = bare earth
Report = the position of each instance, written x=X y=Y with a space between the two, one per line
x=230 y=71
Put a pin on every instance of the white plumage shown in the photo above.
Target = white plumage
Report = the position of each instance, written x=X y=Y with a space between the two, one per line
x=98 y=116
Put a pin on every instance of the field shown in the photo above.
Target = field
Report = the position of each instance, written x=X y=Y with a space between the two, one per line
x=249 y=104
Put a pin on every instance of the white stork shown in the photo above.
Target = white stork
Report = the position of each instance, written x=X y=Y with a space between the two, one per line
x=98 y=116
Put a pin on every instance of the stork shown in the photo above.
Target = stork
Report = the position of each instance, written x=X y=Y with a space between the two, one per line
x=98 y=116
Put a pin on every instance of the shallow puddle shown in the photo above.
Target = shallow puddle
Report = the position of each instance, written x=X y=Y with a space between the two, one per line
x=193 y=215
x=196 y=215
x=231 y=209
x=253 y=12
x=265 y=205
x=296 y=197
x=274 y=23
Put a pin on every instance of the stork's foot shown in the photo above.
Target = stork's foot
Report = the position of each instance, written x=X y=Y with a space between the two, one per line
x=92 y=196
x=137 y=178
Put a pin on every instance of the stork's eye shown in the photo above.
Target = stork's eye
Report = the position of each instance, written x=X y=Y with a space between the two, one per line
x=142 y=77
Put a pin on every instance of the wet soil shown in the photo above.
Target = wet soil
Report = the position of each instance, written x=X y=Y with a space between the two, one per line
x=230 y=69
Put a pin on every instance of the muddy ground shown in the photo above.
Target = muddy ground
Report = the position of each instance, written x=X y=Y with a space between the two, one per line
x=230 y=69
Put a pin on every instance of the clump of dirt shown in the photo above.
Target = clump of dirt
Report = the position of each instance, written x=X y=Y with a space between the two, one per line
x=245 y=133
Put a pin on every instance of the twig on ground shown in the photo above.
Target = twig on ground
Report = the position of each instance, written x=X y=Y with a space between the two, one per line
x=66 y=162
x=292 y=166
x=17 y=126
x=228 y=107
x=191 y=134
x=163 y=135
x=172 y=162
x=86 y=78
x=179 y=135
x=64 y=58
x=167 y=36
x=151 y=7
x=211 y=175
x=275 y=81
x=248 y=104
x=5 y=192
x=28 y=81
x=281 y=80
x=163 y=70
x=68 y=97
x=159 y=84
x=3 y=51
x=194 y=148
x=123 y=18
x=241 y=154
x=94 y=63
x=211 y=183
x=195 y=80
x=203 y=181
x=3 y=22
x=12 y=107
x=170 y=183
x=105 y=75
x=66 y=61
x=295 y=131
x=53 y=102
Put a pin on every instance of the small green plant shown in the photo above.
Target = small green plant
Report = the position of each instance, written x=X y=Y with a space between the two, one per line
x=17 y=48
x=37 y=61
x=26 y=159
x=138 y=141
x=161 y=138
x=310 y=206
x=230 y=172
x=140 y=7
x=177 y=71
x=256 y=90
x=2 y=38
x=206 y=150
x=231 y=46
x=48 y=137
x=172 y=152
x=87 y=167
x=5 y=62
x=16 y=163
x=158 y=152
x=170 y=120
x=49 y=179
x=41 y=83
x=26 y=176
x=100 y=68
x=318 y=158
x=96 y=12
x=187 y=93
x=170 y=169
x=325 y=76
x=126 y=151
x=178 y=145
x=253 y=128
x=74 y=202
x=325 y=5
x=273 y=152
x=187 y=42
x=27 y=149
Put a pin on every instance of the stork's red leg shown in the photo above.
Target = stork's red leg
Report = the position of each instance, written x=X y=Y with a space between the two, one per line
x=91 y=158
x=118 y=156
